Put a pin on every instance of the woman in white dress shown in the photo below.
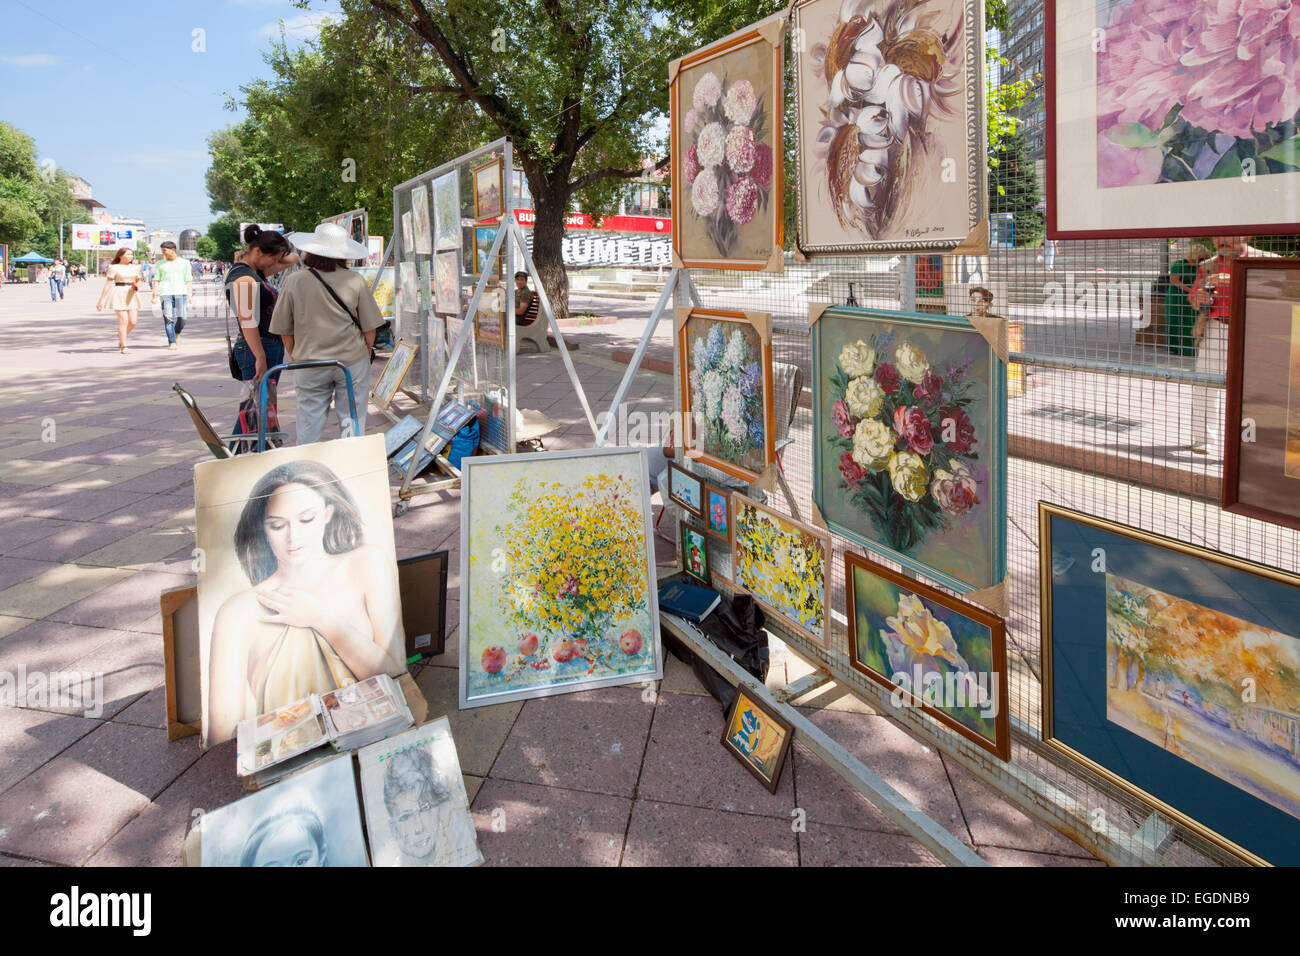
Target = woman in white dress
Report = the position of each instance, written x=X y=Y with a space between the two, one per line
x=120 y=294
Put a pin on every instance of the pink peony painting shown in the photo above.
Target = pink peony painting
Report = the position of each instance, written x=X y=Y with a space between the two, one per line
x=1191 y=90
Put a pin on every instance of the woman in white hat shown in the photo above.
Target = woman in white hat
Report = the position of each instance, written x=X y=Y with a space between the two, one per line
x=326 y=313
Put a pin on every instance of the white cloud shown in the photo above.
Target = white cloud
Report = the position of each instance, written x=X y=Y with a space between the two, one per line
x=31 y=59
x=305 y=26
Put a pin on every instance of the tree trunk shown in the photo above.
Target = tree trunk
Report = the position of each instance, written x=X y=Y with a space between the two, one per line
x=551 y=204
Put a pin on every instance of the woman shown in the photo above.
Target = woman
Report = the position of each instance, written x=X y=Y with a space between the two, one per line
x=290 y=835
x=322 y=610
x=120 y=293
x=1180 y=315
x=327 y=313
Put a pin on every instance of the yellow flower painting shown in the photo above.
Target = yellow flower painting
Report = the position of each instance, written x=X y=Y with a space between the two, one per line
x=782 y=563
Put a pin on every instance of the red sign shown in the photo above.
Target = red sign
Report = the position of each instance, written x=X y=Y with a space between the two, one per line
x=577 y=220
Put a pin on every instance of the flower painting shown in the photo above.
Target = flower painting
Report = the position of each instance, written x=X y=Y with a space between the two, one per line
x=783 y=564
x=726 y=128
x=717 y=511
x=909 y=416
x=891 y=147
x=726 y=363
x=930 y=650
x=558 y=581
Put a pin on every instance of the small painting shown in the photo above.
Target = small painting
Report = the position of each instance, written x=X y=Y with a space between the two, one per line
x=446 y=282
x=783 y=564
x=685 y=490
x=408 y=235
x=484 y=237
x=408 y=294
x=390 y=380
x=758 y=738
x=490 y=319
x=487 y=191
x=695 y=553
x=446 y=212
x=420 y=220
x=717 y=511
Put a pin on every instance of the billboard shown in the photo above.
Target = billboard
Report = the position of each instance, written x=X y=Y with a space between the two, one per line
x=96 y=236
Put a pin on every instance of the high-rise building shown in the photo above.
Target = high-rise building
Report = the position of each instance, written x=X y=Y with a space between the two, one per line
x=1022 y=46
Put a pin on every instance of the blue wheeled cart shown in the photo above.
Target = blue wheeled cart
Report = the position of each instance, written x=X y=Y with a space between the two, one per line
x=261 y=402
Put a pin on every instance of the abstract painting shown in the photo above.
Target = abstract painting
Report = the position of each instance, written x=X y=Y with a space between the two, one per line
x=446 y=212
x=758 y=738
x=557 y=574
x=783 y=564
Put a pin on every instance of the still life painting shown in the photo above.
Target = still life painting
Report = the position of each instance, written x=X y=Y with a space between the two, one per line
x=783 y=564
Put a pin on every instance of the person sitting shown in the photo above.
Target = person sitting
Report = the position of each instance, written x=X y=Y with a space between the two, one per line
x=525 y=301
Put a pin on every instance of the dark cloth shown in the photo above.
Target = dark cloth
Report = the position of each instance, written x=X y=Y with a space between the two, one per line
x=266 y=296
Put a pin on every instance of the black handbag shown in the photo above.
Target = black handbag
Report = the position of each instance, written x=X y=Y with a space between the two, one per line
x=235 y=372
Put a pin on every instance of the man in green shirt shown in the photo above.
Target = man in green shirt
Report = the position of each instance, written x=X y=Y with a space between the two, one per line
x=172 y=284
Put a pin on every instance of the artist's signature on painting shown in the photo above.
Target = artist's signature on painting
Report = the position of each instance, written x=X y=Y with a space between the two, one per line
x=916 y=233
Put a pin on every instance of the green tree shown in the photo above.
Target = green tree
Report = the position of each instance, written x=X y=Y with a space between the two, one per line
x=206 y=247
x=1013 y=188
x=224 y=231
x=21 y=196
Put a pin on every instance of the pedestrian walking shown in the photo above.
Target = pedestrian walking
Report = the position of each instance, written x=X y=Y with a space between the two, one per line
x=1047 y=250
x=121 y=294
x=173 y=284
x=327 y=313
x=58 y=273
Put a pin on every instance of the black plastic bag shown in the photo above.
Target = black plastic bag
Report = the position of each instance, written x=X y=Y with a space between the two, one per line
x=735 y=628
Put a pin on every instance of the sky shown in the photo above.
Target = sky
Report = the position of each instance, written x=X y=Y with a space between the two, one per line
x=119 y=95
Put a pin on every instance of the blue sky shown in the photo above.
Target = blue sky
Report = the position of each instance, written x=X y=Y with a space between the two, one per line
x=116 y=94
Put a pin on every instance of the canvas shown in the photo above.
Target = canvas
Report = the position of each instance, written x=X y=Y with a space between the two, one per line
x=758 y=738
x=909 y=424
x=1155 y=127
x=382 y=289
x=437 y=353
x=1172 y=671
x=727 y=116
x=298 y=588
x=726 y=381
x=408 y=235
x=685 y=489
x=309 y=819
x=420 y=220
x=390 y=380
x=931 y=650
x=446 y=212
x=890 y=134
x=417 y=811
x=424 y=282
x=487 y=190
x=783 y=564
x=695 y=553
x=466 y=368
x=446 y=283
x=557 y=575
x=484 y=236
x=490 y=319
x=408 y=297
x=717 y=511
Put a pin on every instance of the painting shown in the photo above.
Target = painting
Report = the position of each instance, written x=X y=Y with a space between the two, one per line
x=1154 y=129
x=685 y=490
x=298 y=589
x=909 y=424
x=390 y=379
x=783 y=564
x=758 y=738
x=727 y=113
x=931 y=650
x=308 y=819
x=695 y=554
x=382 y=288
x=487 y=190
x=420 y=220
x=1261 y=468
x=408 y=296
x=726 y=400
x=1173 y=672
x=717 y=512
x=484 y=237
x=424 y=282
x=466 y=368
x=490 y=318
x=890 y=137
x=446 y=212
x=417 y=811
x=558 y=586
x=408 y=235
x=446 y=282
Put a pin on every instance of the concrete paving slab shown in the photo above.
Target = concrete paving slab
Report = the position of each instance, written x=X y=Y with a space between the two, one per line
x=479 y=732
x=521 y=824
x=663 y=834
x=826 y=845
x=29 y=739
x=130 y=604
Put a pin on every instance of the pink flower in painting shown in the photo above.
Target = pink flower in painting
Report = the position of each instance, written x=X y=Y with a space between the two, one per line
x=955 y=491
x=956 y=430
x=762 y=171
x=742 y=200
x=929 y=387
x=914 y=428
x=845 y=423
x=740 y=102
x=851 y=471
x=688 y=124
x=740 y=149
x=719 y=516
x=887 y=377
x=707 y=91
x=1127 y=166
x=704 y=193
x=692 y=165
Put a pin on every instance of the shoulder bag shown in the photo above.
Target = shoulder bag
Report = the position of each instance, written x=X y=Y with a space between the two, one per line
x=351 y=315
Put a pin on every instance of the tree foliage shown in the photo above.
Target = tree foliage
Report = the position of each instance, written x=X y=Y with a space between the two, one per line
x=33 y=200
x=1013 y=188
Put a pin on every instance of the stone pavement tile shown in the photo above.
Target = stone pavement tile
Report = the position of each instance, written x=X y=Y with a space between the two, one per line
x=591 y=740
x=130 y=604
x=21 y=531
x=40 y=474
x=75 y=447
x=16 y=570
x=910 y=767
x=180 y=561
x=74 y=804
x=1000 y=856
x=472 y=785
x=71 y=541
x=47 y=646
x=663 y=834
x=6 y=860
x=835 y=696
x=546 y=826
x=10 y=624
x=686 y=763
x=29 y=739
x=125 y=671
x=16 y=501
x=147 y=711
x=479 y=732
x=57 y=588
x=160 y=480
x=826 y=845
x=157 y=836
x=146 y=550
x=679 y=678
x=155 y=510
x=996 y=821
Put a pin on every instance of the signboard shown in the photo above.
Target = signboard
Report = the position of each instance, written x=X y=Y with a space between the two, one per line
x=265 y=227
x=95 y=236
x=658 y=225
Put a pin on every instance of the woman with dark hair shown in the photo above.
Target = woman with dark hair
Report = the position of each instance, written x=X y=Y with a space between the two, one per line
x=327 y=312
x=121 y=283
x=322 y=610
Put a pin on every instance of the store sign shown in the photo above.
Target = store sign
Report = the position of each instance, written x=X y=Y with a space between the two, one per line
x=578 y=220
x=94 y=236
x=600 y=250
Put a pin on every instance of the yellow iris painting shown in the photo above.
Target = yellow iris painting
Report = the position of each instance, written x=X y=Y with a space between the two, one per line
x=558 y=585
x=782 y=563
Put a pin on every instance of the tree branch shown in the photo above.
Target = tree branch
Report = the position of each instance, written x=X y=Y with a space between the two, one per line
x=611 y=172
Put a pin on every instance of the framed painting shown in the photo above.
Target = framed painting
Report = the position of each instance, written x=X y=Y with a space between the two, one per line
x=294 y=540
x=1171 y=671
x=726 y=380
x=420 y=220
x=931 y=650
x=446 y=282
x=890 y=128
x=685 y=489
x=1152 y=130
x=466 y=368
x=909 y=446
x=490 y=319
x=446 y=212
x=452 y=417
x=558 y=586
x=1261 y=467
x=422 y=580
x=783 y=564
x=727 y=113
x=484 y=236
x=758 y=738
x=695 y=553
x=487 y=190
x=717 y=512
x=390 y=379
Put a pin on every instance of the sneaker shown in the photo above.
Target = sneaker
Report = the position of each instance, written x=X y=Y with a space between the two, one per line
x=172 y=347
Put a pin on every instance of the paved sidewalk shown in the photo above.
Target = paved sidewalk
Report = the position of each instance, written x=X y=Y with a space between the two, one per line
x=96 y=512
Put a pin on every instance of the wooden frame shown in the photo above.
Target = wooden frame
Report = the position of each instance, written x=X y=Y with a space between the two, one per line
x=1239 y=334
x=1000 y=746
x=684 y=534
x=787 y=526
x=473 y=259
x=1236 y=204
x=395 y=369
x=479 y=177
x=725 y=494
x=181 y=665
x=491 y=302
x=686 y=480
x=418 y=577
x=733 y=729
x=761 y=323
x=771 y=33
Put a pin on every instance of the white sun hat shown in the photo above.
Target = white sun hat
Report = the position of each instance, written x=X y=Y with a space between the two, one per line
x=329 y=240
